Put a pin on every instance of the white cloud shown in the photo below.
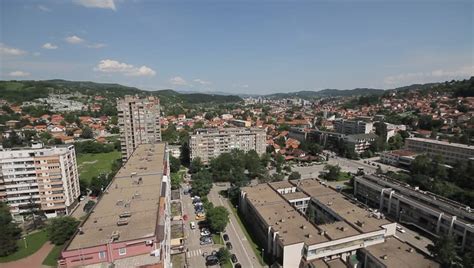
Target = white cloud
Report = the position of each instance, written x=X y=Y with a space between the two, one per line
x=178 y=81
x=427 y=77
x=49 y=46
x=36 y=54
x=96 y=45
x=18 y=74
x=113 y=66
x=74 y=39
x=43 y=8
x=107 y=4
x=10 y=51
x=202 y=82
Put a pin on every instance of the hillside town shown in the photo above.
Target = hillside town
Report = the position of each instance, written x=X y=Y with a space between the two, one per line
x=373 y=171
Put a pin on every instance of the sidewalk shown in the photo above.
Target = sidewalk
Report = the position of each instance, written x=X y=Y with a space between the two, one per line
x=34 y=260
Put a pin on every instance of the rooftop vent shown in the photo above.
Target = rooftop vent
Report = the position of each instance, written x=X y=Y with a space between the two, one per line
x=303 y=226
x=282 y=220
x=125 y=214
x=122 y=221
x=384 y=257
x=410 y=250
x=115 y=235
x=308 y=235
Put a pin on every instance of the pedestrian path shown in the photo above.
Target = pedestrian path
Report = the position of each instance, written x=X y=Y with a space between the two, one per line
x=194 y=253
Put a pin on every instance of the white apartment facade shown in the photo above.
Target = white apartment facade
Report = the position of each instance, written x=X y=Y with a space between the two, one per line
x=349 y=127
x=38 y=178
x=139 y=122
x=451 y=152
x=210 y=143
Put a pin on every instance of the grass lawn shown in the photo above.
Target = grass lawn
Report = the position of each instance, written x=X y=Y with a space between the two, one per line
x=53 y=256
x=34 y=241
x=256 y=249
x=177 y=260
x=226 y=264
x=92 y=165
x=217 y=239
x=344 y=176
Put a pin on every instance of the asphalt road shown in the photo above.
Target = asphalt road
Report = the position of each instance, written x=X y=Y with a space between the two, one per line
x=241 y=247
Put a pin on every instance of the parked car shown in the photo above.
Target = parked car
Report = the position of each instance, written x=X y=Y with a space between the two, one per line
x=205 y=233
x=205 y=240
x=226 y=237
x=229 y=245
x=400 y=229
x=237 y=265
x=193 y=225
x=233 y=258
x=212 y=260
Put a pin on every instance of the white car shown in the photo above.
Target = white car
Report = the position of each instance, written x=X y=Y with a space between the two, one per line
x=205 y=233
x=400 y=229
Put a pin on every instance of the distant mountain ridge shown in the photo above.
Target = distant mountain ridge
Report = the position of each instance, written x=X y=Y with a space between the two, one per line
x=27 y=90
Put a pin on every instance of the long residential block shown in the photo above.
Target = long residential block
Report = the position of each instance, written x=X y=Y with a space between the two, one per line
x=130 y=224
x=211 y=142
x=409 y=205
x=451 y=152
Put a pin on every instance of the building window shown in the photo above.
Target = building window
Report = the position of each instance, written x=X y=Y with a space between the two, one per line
x=102 y=255
x=122 y=251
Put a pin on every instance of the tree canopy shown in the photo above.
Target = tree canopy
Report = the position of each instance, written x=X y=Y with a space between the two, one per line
x=9 y=231
x=217 y=217
x=60 y=229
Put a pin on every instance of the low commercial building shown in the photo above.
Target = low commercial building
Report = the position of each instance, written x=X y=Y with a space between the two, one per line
x=39 y=178
x=451 y=152
x=211 y=142
x=130 y=224
x=398 y=158
x=429 y=212
x=300 y=222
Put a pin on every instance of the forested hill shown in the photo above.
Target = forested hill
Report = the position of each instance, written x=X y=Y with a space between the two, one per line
x=19 y=91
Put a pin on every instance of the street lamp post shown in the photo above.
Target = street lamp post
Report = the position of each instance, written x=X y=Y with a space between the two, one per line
x=26 y=244
x=263 y=252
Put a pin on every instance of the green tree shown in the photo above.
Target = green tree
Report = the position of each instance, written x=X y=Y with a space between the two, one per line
x=60 y=229
x=201 y=183
x=196 y=165
x=223 y=254
x=444 y=250
x=87 y=133
x=217 y=217
x=9 y=232
x=420 y=165
x=333 y=172
x=295 y=175
x=184 y=156
x=175 y=164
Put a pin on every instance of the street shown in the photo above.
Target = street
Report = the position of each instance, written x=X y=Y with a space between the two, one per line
x=241 y=247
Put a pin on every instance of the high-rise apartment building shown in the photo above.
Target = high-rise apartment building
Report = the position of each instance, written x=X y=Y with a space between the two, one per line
x=139 y=122
x=39 y=178
x=210 y=143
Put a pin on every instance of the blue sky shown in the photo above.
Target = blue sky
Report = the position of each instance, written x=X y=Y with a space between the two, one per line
x=238 y=46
